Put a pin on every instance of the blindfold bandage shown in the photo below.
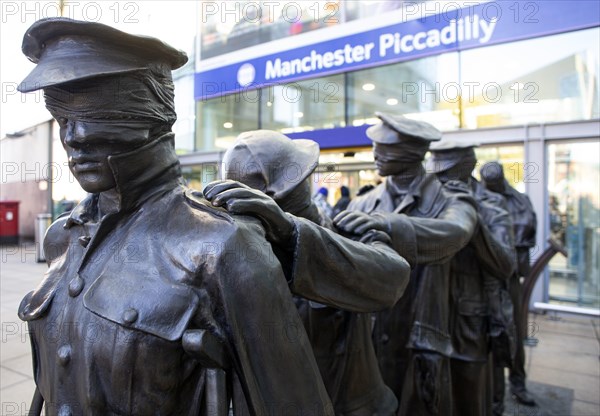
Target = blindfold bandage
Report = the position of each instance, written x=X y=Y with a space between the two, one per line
x=458 y=161
x=136 y=99
x=401 y=152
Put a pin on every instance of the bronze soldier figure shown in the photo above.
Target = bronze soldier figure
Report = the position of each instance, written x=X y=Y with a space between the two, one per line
x=524 y=226
x=341 y=339
x=476 y=270
x=149 y=287
x=428 y=223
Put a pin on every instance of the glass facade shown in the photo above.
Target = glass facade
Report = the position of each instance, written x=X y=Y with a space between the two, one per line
x=184 y=128
x=353 y=169
x=418 y=89
x=305 y=105
x=546 y=80
x=511 y=158
x=542 y=80
x=231 y=26
x=353 y=10
x=197 y=177
x=220 y=120
x=352 y=179
x=573 y=219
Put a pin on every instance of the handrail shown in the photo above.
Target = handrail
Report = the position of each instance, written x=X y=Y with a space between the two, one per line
x=536 y=270
x=567 y=309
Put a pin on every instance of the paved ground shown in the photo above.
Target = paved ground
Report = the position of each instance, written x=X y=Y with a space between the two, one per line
x=19 y=273
x=563 y=369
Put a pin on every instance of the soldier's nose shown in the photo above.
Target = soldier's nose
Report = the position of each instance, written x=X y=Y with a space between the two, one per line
x=76 y=133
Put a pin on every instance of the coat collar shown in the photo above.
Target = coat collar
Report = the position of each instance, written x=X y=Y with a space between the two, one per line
x=414 y=190
x=422 y=194
x=139 y=175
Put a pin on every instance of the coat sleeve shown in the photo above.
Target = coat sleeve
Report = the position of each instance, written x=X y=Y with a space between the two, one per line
x=493 y=241
x=435 y=240
x=267 y=343
x=343 y=273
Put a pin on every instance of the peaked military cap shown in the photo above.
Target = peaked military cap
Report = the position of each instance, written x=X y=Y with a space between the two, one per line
x=448 y=153
x=398 y=129
x=270 y=161
x=68 y=50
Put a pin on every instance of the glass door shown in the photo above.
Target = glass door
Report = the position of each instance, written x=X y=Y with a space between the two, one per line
x=574 y=220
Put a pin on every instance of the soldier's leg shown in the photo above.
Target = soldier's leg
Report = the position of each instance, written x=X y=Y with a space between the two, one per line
x=517 y=370
x=389 y=339
x=498 y=389
x=489 y=389
x=427 y=389
x=469 y=385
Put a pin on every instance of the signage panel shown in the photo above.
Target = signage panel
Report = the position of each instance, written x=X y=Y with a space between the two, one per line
x=471 y=27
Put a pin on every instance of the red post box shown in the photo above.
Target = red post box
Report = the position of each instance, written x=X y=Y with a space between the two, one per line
x=9 y=222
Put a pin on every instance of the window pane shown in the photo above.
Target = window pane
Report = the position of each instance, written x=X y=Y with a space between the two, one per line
x=352 y=168
x=425 y=89
x=305 y=105
x=362 y=9
x=230 y=26
x=574 y=211
x=220 y=120
x=186 y=113
x=197 y=177
x=549 y=79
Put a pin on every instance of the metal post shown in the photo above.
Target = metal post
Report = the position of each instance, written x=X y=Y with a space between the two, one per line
x=581 y=251
x=50 y=178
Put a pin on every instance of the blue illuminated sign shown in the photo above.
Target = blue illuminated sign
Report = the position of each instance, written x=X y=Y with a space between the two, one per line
x=459 y=29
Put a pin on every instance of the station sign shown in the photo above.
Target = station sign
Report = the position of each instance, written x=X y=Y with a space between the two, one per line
x=455 y=30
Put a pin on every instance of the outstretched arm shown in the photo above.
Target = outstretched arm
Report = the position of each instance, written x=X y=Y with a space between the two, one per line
x=320 y=265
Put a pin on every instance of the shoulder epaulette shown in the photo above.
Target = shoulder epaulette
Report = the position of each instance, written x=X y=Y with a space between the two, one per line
x=457 y=186
x=197 y=200
x=365 y=189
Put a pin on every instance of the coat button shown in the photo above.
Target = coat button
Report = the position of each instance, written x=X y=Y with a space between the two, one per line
x=76 y=286
x=64 y=355
x=65 y=410
x=385 y=338
x=84 y=240
x=340 y=348
x=130 y=316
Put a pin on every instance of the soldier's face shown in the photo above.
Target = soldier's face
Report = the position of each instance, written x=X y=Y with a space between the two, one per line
x=297 y=200
x=460 y=172
x=389 y=160
x=387 y=167
x=89 y=145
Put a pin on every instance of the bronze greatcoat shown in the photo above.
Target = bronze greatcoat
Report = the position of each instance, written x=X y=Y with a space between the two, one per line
x=476 y=270
x=122 y=290
x=341 y=339
x=412 y=340
x=524 y=227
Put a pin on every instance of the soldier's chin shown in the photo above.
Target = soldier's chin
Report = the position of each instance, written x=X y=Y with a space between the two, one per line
x=385 y=171
x=93 y=184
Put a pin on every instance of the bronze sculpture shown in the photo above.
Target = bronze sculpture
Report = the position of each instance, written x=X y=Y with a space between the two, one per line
x=341 y=339
x=478 y=271
x=524 y=226
x=428 y=223
x=151 y=292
